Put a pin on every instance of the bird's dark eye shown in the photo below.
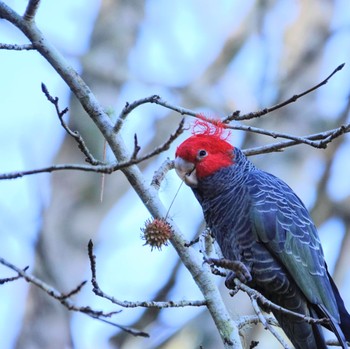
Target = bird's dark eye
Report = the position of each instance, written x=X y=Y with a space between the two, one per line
x=202 y=153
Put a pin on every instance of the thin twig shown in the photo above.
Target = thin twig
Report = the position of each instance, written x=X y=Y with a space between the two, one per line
x=72 y=292
x=16 y=47
x=322 y=138
x=14 y=278
x=127 y=304
x=129 y=107
x=65 y=167
x=75 y=134
x=237 y=117
x=31 y=10
x=101 y=168
x=257 y=295
x=103 y=175
x=266 y=324
x=160 y=174
x=64 y=299
x=192 y=242
x=137 y=148
x=234 y=116
x=247 y=320
x=316 y=144
x=270 y=305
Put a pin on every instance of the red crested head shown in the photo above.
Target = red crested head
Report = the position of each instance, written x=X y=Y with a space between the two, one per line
x=206 y=152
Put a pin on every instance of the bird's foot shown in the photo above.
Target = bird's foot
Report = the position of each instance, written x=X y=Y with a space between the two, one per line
x=237 y=270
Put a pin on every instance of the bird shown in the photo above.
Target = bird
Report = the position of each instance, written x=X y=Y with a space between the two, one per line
x=259 y=222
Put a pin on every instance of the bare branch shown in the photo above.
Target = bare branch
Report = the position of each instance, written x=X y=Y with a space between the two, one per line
x=180 y=110
x=246 y=320
x=137 y=148
x=129 y=107
x=4 y=281
x=127 y=304
x=270 y=305
x=320 y=140
x=72 y=292
x=54 y=101
x=108 y=169
x=15 y=47
x=236 y=116
x=160 y=174
x=65 y=167
x=31 y=10
x=151 y=99
x=75 y=134
x=254 y=294
x=266 y=324
x=316 y=144
x=64 y=299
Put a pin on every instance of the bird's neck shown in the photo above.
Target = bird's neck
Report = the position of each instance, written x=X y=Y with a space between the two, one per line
x=223 y=180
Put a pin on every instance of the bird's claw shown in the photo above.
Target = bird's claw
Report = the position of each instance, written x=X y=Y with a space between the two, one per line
x=237 y=270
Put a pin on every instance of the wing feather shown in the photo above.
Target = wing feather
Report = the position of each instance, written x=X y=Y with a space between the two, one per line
x=281 y=221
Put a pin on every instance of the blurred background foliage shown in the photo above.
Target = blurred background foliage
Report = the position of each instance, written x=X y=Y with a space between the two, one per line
x=214 y=57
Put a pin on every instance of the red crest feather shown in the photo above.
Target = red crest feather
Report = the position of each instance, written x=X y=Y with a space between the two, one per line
x=210 y=127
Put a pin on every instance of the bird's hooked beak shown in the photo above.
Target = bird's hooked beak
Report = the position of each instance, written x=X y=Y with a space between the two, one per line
x=186 y=171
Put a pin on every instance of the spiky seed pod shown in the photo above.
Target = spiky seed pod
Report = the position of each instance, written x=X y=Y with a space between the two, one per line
x=156 y=233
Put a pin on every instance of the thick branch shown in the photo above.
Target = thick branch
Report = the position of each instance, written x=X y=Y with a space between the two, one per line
x=31 y=10
x=201 y=274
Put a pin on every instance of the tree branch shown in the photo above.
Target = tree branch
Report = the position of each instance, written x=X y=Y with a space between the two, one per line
x=322 y=138
x=64 y=299
x=270 y=305
x=160 y=174
x=31 y=10
x=257 y=114
x=4 y=281
x=266 y=324
x=108 y=169
x=247 y=320
x=74 y=134
x=201 y=274
x=15 y=47
x=126 y=162
x=129 y=107
x=127 y=304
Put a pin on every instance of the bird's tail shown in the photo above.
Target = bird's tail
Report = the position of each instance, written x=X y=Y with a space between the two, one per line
x=344 y=315
x=334 y=326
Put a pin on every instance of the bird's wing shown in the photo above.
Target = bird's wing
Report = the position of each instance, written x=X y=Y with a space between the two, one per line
x=282 y=223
